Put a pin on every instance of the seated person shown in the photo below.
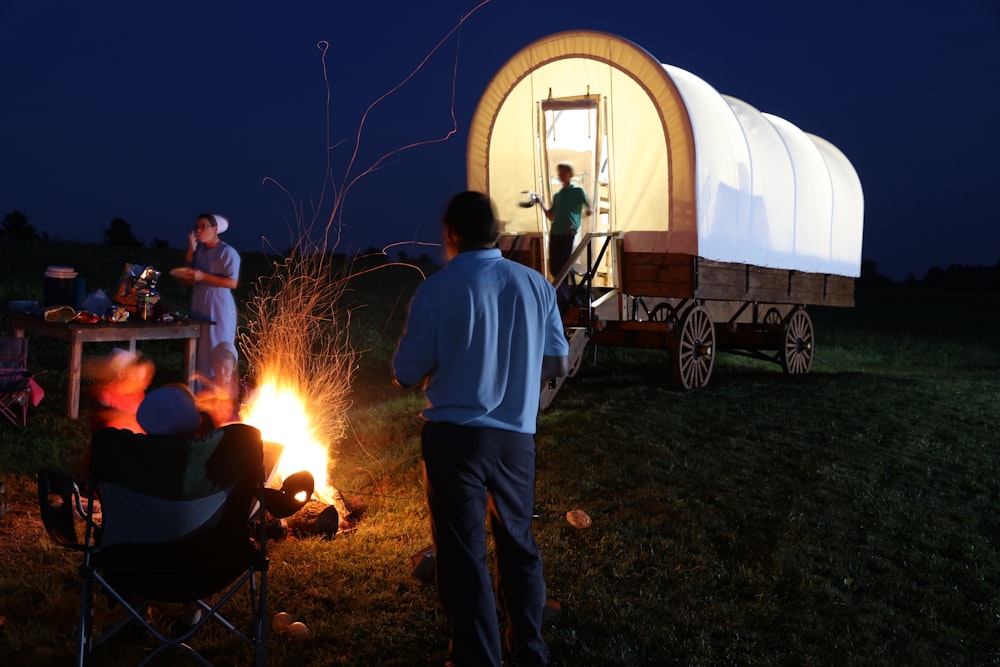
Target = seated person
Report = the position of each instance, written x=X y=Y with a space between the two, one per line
x=171 y=411
x=120 y=383
x=219 y=395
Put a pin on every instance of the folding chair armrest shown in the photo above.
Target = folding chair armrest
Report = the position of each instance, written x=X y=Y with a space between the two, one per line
x=78 y=503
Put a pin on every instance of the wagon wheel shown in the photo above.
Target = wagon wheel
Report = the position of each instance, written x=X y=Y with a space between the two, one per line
x=693 y=349
x=663 y=312
x=798 y=345
x=772 y=316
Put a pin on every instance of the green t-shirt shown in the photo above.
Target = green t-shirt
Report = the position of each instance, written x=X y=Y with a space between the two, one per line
x=568 y=204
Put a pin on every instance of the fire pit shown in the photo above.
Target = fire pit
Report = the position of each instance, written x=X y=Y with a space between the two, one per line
x=282 y=417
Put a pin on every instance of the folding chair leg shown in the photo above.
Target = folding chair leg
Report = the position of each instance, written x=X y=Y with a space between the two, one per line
x=260 y=621
x=85 y=629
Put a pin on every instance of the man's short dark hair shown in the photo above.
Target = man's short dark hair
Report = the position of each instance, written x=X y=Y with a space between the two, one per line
x=470 y=218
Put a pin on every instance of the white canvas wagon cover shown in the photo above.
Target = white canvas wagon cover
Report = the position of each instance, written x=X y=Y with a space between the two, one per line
x=687 y=170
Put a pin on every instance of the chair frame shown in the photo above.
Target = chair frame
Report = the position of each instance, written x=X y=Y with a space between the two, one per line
x=15 y=374
x=59 y=522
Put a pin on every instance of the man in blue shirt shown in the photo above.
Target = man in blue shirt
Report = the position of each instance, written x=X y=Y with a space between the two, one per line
x=567 y=207
x=481 y=336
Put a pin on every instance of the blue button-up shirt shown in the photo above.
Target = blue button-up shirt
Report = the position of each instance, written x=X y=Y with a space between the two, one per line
x=477 y=331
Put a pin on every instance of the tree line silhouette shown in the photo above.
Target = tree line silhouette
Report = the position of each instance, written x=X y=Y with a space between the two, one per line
x=955 y=277
x=15 y=226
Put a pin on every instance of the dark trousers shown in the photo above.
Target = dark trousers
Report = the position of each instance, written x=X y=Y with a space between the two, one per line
x=472 y=472
x=560 y=250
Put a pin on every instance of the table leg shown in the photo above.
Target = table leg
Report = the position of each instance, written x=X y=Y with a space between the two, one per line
x=73 y=391
x=190 y=358
x=131 y=345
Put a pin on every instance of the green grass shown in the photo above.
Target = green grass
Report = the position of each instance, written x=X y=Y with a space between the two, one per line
x=847 y=517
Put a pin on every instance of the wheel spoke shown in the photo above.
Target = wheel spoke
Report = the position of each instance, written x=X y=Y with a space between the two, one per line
x=692 y=348
x=797 y=351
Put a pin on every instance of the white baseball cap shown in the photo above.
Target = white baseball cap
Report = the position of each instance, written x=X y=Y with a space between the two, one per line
x=169 y=411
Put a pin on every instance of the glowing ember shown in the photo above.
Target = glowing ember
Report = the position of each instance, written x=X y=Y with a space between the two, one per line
x=295 y=339
x=278 y=409
x=300 y=358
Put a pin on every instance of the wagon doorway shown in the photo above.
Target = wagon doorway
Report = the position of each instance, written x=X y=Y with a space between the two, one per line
x=574 y=131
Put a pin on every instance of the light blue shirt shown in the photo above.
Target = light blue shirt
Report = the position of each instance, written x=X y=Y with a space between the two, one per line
x=477 y=331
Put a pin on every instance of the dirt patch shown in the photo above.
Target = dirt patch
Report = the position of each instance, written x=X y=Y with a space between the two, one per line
x=20 y=531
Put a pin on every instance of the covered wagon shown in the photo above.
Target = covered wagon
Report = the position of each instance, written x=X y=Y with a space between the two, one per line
x=714 y=225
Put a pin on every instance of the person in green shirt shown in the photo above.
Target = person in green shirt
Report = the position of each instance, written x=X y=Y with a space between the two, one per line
x=567 y=207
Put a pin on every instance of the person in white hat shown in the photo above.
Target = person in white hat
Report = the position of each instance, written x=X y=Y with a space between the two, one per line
x=216 y=273
x=170 y=411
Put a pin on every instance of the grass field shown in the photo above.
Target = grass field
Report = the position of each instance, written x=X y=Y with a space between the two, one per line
x=848 y=517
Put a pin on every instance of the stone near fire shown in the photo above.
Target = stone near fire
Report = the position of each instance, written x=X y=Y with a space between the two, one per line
x=281 y=621
x=315 y=518
x=422 y=564
x=578 y=519
x=297 y=631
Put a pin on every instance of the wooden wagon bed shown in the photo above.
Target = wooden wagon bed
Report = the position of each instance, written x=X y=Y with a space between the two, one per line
x=678 y=275
x=692 y=307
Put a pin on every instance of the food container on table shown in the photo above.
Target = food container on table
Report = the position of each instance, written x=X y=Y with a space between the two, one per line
x=60 y=286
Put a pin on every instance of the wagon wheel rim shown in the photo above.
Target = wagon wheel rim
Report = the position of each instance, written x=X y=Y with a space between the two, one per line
x=772 y=316
x=694 y=349
x=799 y=344
x=663 y=312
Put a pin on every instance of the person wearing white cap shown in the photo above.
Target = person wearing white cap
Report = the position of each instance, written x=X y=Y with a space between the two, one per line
x=216 y=273
x=170 y=411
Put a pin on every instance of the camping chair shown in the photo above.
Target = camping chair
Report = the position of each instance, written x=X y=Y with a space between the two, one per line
x=15 y=380
x=171 y=520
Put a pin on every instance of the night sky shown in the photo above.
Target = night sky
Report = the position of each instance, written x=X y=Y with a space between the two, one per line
x=155 y=112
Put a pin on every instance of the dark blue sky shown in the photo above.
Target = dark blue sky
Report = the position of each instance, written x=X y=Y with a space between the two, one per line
x=154 y=112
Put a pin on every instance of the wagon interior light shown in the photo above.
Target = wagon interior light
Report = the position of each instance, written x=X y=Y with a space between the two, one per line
x=714 y=225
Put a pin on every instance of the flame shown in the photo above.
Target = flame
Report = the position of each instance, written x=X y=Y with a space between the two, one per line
x=279 y=410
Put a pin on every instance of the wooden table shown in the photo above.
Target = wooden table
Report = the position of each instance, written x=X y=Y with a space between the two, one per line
x=77 y=334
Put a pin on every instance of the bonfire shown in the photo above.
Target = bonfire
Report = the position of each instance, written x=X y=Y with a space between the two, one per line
x=301 y=363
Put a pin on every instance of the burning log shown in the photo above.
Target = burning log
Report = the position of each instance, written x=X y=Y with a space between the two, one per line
x=299 y=356
x=322 y=519
x=315 y=518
